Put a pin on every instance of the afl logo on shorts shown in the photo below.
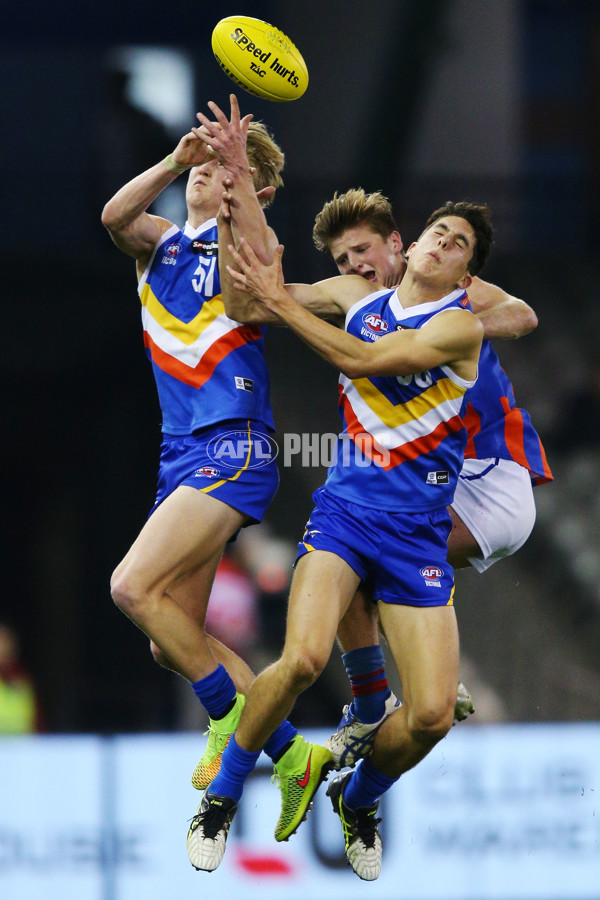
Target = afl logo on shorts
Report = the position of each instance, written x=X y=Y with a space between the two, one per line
x=432 y=575
x=375 y=323
x=207 y=472
x=173 y=249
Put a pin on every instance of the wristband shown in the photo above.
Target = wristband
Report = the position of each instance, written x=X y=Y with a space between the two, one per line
x=173 y=166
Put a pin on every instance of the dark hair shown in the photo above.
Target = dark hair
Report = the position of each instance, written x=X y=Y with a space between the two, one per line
x=348 y=210
x=479 y=218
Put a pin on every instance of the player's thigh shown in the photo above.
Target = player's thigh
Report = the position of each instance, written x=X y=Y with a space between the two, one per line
x=186 y=532
x=322 y=588
x=425 y=647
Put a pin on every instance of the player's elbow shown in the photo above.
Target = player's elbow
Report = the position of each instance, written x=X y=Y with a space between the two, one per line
x=530 y=322
x=236 y=312
x=240 y=312
x=110 y=218
x=522 y=321
x=357 y=366
x=352 y=371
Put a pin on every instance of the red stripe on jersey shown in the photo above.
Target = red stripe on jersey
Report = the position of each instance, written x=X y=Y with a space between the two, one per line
x=221 y=348
x=547 y=476
x=513 y=433
x=410 y=450
x=472 y=421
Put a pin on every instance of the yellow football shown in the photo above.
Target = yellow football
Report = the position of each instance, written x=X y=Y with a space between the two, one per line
x=259 y=58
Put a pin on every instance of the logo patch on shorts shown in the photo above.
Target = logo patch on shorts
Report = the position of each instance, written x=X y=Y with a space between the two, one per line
x=438 y=478
x=207 y=472
x=432 y=575
x=244 y=384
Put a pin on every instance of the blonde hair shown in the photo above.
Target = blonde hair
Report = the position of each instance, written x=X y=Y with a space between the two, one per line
x=348 y=210
x=266 y=157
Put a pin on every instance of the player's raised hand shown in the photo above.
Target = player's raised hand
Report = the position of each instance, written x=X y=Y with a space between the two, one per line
x=226 y=137
x=192 y=149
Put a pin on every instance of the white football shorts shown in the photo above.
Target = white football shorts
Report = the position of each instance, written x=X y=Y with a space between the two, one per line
x=494 y=499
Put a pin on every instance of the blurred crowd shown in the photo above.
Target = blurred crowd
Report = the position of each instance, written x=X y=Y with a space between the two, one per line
x=19 y=707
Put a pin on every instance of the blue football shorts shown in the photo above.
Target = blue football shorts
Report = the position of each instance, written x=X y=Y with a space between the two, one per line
x=234 y=462
x=402 y=557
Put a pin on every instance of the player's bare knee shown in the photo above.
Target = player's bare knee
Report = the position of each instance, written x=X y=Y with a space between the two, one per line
x=428 y=725
x=127 y=595
x=303 y=667
x=120 y=594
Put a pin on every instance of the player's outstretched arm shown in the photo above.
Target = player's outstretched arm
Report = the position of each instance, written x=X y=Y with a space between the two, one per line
x=400 y=353
x=501 y=315
x=133 y=230
x=227 y=138
x=328 y=299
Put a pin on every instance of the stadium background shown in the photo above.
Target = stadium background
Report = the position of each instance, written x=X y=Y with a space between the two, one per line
x=426 y=100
